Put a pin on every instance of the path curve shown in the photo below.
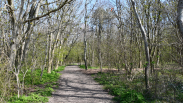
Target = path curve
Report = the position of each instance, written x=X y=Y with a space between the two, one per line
x=76 y=87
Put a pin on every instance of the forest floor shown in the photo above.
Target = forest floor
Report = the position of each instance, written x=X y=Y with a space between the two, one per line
x=75 y=86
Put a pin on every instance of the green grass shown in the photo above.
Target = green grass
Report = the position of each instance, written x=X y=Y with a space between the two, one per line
x=45 y=92
x=89 y=67
x=32 y=98
x=119 y=89
x=34 y=78
x=126 y=91
x=48 y=81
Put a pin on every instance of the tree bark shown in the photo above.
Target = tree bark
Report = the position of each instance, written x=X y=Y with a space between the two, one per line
x=99 y=47
x=50 y=55
x=147 y=67
x=46 y=54
x=180 y=17
x=85 y=43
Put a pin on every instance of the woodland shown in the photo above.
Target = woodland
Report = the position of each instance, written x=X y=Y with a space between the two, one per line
x=140 y=41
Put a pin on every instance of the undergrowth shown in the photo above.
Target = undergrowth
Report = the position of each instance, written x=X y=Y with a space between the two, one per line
x=89 y=67
x=165 y=87
x=32 y=98
x=32 y=79
x=119 y=89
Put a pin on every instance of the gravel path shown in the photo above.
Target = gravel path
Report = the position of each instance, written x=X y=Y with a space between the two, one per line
x=76 y=87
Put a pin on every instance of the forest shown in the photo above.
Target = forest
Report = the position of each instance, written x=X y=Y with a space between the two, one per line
x=139 y=42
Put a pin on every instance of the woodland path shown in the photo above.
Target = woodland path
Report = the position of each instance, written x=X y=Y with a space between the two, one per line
x=76 y=87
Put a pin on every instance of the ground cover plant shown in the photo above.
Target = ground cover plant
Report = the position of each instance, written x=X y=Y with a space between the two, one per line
x=89 y=67
x=42 y=88
x=164 y=87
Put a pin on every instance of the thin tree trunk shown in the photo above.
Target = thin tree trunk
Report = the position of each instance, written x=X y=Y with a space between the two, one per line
x=46 y=54
x=85 y=43
x=33 y=62
x=147 y=68
x=99 y=47
x=18 y=84
x=49 y=55
x=93 y=53
x=58 y=59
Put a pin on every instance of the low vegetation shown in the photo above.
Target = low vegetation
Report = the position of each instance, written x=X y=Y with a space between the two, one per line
x=166 y=86
x=41 y=88
x=89 y=67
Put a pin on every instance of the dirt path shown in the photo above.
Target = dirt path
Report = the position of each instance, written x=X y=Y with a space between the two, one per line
x=76 y=87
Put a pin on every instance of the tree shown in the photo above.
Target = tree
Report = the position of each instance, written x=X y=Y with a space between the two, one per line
x=98 y=19
x=22 y=24
x=147 y=67
x=85 y=31
x=180 y=16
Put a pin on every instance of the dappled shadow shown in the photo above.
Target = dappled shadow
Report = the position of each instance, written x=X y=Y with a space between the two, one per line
x=79 y=88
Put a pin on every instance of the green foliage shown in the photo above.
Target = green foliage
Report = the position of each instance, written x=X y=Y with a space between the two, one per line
x=130 y=96
x=60 y=68
x=37 y=97
x=126 y=91
x=76 y=53
x=59 y=53
x=180 y=97
x=89 y=67
x=32 y=98
x=46 y=78
x=120 y=90
x=45 y=92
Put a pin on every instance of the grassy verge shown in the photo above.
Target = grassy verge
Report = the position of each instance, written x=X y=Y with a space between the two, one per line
x=42 y=88
x=119 y=89
x=164 y=87
x=89 y=67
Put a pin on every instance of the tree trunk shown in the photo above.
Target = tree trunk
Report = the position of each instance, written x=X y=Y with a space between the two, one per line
x=147 y=67
x=85 y=43
x=93 y=53
x=99 y=47
x=180 y=17
x=46 y=54
x=49 y=55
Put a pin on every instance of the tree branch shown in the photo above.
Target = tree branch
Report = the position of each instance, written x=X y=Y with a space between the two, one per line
x=37 y=18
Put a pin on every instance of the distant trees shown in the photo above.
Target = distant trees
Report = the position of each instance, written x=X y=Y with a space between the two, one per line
x=99 y=19
x=118 y=35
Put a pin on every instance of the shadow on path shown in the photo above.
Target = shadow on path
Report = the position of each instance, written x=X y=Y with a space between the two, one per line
x=75 y=87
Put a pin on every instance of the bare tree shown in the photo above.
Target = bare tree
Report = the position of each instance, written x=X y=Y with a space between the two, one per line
x=21 y=30
x=147 y=67
x=85 y=31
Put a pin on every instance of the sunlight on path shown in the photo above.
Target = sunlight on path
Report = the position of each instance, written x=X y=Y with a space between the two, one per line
x=76 y=87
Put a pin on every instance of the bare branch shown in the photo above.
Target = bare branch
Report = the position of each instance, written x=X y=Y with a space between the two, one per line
x=37 y=18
